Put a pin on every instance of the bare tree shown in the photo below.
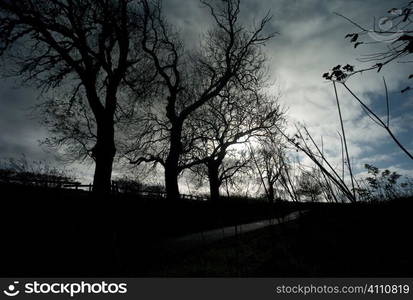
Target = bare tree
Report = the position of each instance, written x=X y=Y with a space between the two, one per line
x=228 y=53
x=268 y=159
x=72 y=128
x=309 y=185
x=86 y=49
x=227 y=122
x=227 y=173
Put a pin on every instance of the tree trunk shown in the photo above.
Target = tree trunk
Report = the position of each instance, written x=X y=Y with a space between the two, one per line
x=172 y=164
x=214 y=182
x=270 y=192
x=171 y=179
x=104 y=153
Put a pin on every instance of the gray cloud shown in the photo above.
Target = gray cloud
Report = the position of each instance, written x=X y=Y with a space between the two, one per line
x=20 y=131
x=310 y=42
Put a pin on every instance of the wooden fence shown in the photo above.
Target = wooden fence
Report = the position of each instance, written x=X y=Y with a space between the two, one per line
x=75 y=185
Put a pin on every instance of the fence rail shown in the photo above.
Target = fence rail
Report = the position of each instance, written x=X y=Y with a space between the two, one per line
x=115 y=188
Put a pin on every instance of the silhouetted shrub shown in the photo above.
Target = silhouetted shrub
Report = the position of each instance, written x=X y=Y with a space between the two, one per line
x=38 y=173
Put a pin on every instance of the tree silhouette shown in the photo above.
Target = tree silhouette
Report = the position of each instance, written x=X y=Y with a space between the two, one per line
x=226 y=172
x=309 y=185
x=228 y=120
x=86 y=49
x=269 y=160
x=228 y=53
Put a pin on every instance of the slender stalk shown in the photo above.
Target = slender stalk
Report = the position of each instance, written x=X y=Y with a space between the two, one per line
x=289 y=185
x=323 y=158
x=378 y=120
x=344 y=140
x=387 y=102
x=336 y=179
x=324 y=175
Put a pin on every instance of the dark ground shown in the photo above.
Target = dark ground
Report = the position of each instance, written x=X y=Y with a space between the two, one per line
x=344 y=241
x=55 y=232
x=52 y=233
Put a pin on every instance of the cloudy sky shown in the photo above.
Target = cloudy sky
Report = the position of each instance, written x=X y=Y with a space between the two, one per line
x=310 y=42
